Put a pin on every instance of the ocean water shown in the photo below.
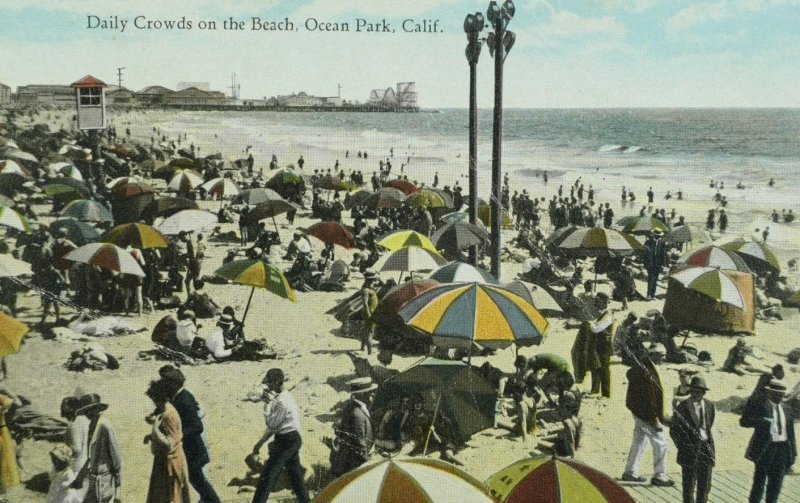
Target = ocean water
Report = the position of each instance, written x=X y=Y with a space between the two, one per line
x=616 y=147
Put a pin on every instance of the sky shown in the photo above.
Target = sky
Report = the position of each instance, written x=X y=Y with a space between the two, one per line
x=568 y=53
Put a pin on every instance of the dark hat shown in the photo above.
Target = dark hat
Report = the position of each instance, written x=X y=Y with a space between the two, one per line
x=362 y=385
x=699 y=383
x=274 y=374
x=92 y=401
x=776 y=386
x=172 y=374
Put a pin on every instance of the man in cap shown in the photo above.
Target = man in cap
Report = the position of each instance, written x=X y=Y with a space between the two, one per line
x=283 y=425
x=194 y=445
x=691 y=432
x=645 y=400
x=772 y=447
x=655 y=258
x=103 y=468
x=354 y=430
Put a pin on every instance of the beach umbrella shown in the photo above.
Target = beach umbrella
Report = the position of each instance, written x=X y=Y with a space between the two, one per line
x=686 y=234
x=9 y=166
x=447 y=196
x=386 y=197
x=20 y=155
x=758 y=256
x=794 y=299
x=357 y=198
x=11 y=334
x=67 y=189
x=426 y=199
x=270 y=209
x=7 y=201
x=137 y=235
x=485 y=216
x=8 y=143
x=332 y=232
x=253 y=197
x=643 y=225
x=11 y=267
x=460 y=272
x=284 y=177
x=411 y=258
x=714 y=256
x=11 y=182
x=460 y=314
x=598 y=242
x=189 y=221
x=390 y=304
x=335 y=183
x=167 y=206
x=222 y=187
x=10 y=218
x=466 y=401
x=182 y=163
x=184 y=180
x=106 y=256
x=257 y=274
x=395 y=240
x=400 y=480
x=458 y=235
x=75 y=152
x=152 y=166
x=77 y=231
x=711 y=282
x=131 y=187
x=555 y=480
x=403 y=186
x=87 y=210
x=121 y=180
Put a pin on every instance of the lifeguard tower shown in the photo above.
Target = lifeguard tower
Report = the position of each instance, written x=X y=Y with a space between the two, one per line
x=90 y=100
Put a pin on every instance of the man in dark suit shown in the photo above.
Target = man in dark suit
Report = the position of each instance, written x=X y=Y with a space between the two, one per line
x=193 y=444
x=691 y=432
x=772 y=447
x=655 y=258
x=354 y=431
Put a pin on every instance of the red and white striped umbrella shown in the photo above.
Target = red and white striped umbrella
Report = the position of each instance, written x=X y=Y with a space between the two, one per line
x=106 y=256
x=711 y=282
x=185 y=180
x=714 y=256
x=223 y=187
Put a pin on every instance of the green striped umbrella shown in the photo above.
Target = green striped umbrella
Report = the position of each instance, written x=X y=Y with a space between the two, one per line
x=554 y=480
x=711 y=282
x=598 y=242
x=426 y=199
x=87 y=210
x=643 y=225
x=257 y=274
x=67 y=189
x=757 y=255
x=11 y=218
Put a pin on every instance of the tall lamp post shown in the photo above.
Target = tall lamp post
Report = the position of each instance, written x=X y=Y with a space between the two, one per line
x=473 y=24
x=500 y=42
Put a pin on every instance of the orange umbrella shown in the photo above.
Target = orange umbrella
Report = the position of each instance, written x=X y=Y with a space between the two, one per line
x=11 y=334
x=332 y=232
x=137 y=235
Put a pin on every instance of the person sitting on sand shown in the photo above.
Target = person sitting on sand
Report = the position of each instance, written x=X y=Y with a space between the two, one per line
x=737 y=361
x=422 y=432
x=217 y=343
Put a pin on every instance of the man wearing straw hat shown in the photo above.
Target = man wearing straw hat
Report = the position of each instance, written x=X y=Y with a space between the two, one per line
x=691 y=432
x=103 y=469
x=354 y=431
x=283 y=423
x=772 y=447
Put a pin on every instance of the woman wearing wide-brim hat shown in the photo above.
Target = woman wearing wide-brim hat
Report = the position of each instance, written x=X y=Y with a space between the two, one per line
x=102 y=472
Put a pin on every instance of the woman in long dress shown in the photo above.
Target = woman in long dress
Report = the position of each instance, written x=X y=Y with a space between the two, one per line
x=9 y=472
x=169 y=480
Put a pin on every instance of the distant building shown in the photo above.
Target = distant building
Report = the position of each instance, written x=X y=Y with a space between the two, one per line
x=203 y=86
x=120 y=96
x=46 y=95
x=194 y=96
x=5 y=94
x=404 y=97
x=152 y=95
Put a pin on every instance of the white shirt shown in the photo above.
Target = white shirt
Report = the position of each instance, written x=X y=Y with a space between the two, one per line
x=282 y=415
x=699 y=409
x=362 y=406
x=216 y=344
x=778 y=428
x=186 y=332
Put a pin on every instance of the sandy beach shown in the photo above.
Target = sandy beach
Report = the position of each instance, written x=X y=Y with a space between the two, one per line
x=313 y=355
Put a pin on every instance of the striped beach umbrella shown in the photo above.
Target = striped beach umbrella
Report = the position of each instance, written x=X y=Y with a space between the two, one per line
x=459 y=272
x=77 y=231
x=758 y=256
x=418 y=480
x=67 y=189
x=11 y=334
x=427 y=199
x=411 y=258
x=714 y=256
x=460 y=314
x=252 y=197
x=396 y=240
x=711 y=282
x=257 y=274
x=70 y=171
x=597 y=241
x=137 y=235
x=9 y=166
x=403 y=186
x=87 y=210
x=130 y=187
x=184 y=180
x=357 y=198
x=20 y=155
x=11 y=218
x=554 y=480
x=386 y=197
x=457 y=235
x=222 y=187
x=106 y=256
x=643 y=225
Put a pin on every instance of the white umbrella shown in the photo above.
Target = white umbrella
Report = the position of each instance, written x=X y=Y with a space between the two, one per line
x=185 y=180
x=19 y=154
x=106 y=256
x=9 y=166
x=411 y=258
x=221 y=186
x=188 y=220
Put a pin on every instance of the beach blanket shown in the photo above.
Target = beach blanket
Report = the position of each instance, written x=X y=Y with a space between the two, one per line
x=106 y=326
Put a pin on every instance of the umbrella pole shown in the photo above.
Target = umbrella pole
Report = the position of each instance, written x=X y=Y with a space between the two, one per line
x=433 y=421
x=275 y=224
x=247 y=308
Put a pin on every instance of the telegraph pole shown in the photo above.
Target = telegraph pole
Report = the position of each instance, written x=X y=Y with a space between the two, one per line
x=473 y=24
x=119 y=76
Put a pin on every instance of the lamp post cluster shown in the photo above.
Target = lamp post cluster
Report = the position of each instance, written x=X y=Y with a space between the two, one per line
x=499 y=42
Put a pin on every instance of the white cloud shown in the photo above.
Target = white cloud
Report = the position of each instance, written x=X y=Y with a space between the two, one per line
x=713 y=12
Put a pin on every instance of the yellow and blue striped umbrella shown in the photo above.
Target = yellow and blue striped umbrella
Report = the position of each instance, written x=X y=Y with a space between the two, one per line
x=462 y=313
x=257 y=273
x=397 y=240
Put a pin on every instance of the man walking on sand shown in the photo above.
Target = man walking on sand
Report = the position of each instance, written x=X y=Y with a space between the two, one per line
x=691 y=432
x=283 y=423
x=645 y=399
x=655 y=258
